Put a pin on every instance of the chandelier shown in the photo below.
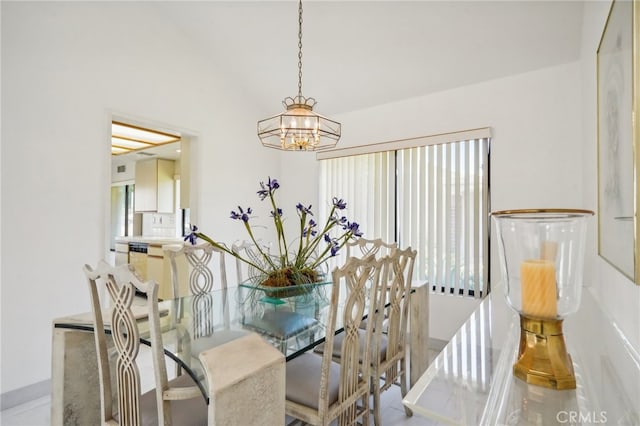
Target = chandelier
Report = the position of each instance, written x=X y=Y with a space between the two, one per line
x=299 y=128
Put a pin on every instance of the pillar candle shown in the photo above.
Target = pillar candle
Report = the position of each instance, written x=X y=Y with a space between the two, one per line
x=538 y=283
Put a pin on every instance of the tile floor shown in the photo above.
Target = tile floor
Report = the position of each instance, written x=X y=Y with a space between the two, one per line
x=37 y=412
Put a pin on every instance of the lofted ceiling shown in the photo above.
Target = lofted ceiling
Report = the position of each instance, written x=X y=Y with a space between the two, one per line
x=358 y=54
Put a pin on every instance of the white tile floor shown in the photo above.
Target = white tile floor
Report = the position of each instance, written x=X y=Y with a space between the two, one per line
x=37 y=412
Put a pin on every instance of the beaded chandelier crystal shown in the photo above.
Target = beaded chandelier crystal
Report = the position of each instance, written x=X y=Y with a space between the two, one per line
x=299 y=128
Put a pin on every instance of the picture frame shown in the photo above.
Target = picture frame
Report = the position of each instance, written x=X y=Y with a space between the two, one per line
x=619 y=139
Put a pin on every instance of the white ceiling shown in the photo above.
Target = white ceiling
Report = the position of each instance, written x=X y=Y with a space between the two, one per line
x=358 y=54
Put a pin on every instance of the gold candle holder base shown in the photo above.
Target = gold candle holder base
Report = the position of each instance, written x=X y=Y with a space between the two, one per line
x=542 y=357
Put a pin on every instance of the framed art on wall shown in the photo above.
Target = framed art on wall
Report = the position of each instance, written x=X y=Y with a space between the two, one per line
x=618 y=144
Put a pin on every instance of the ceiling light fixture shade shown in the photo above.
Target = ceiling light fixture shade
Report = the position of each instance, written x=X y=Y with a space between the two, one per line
x=299 y=128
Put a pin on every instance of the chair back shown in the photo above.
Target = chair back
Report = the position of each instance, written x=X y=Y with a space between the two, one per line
x=396 y=289
x=363 y=247
x=122 y=284
x=249 y=251
x=205 y=264
x=360 y=278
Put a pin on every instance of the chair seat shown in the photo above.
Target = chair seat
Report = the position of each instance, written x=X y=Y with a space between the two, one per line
x=339 y=338
x=185 y=412
x=303 y=377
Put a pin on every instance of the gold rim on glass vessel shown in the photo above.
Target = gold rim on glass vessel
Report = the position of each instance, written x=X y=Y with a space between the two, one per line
x=568 y=212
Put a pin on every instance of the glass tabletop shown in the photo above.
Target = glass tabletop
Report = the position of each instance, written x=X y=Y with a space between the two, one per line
x=471 y=380
x=293 y=323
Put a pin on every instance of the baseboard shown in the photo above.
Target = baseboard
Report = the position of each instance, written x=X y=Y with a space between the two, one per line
x=25 y=394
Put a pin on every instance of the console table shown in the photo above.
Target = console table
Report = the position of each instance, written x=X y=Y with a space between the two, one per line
x=471 y=380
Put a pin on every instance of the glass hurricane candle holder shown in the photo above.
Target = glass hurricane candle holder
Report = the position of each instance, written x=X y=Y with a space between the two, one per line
x=541 y=259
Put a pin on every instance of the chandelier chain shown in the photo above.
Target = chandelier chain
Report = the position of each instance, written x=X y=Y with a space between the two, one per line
x=298 y=127
x=300 y=49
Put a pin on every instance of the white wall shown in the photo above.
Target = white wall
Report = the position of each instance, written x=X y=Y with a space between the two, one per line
x=618 y=296
x=65 y=68
x=535 y=152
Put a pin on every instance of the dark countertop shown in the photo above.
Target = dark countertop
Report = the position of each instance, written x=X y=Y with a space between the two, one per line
x=150 y=240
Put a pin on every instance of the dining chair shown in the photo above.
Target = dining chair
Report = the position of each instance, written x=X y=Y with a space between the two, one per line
x=178 y=401
x=390 y=317
x=391 y=320
x=206 y=271
x=205 y=264
x=320 y=390
x=362 y=247
x=248 y=250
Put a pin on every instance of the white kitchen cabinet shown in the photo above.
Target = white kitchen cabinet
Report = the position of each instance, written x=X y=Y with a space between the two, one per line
x=154 y=186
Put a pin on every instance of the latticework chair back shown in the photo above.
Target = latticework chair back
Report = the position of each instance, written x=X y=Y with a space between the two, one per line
x=363 y=247
x=248 y=250
x=390 y=340
x=126 y=338
x=206 y=267
x=206 y=272
x=352 y=285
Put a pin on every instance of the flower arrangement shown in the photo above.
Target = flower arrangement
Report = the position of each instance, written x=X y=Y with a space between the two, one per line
x=297 y=261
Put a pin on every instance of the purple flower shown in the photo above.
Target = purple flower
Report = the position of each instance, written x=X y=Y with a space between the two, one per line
x=273 y=184
x=278 y=212
x=354 y=228
x=339 y=204
x=268 y=189
x=310 y=229
x=339 y=220
x=334 y=248
x=303 y=209
x=242 y=215
x=263 y=193
x=192 y=237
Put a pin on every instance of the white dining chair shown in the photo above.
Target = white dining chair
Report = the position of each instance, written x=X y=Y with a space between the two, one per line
x=389 y=355
x=247 y=250
x=178 y=401
x=390 y=317
x=206 y=267
x=320 y=390
x=206 y=270
x=363 y=247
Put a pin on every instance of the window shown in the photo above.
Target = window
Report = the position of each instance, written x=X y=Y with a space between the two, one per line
x=122 y=219
x=429 y=193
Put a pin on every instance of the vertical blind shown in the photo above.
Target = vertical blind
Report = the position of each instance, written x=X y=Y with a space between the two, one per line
x=366 y=182
x=433 y=197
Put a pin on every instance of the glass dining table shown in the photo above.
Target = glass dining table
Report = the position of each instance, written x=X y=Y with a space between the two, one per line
x=293 y=323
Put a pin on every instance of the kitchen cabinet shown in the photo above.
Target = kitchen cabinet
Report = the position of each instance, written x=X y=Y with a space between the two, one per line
x=154 y=186
x=122 y=253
